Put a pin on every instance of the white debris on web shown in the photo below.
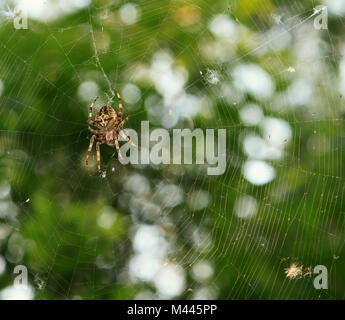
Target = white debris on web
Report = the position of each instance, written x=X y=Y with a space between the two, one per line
x=297 y=272
x=318 y=9
x=211 y=76
x=40 y=283
x=8 y=14
x=294 y=271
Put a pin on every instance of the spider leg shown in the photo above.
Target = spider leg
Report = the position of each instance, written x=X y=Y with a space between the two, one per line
x=90 y=147
x=90 y=113
x=97 y=149
x=128 y=140
x=120 y=107
x=118 y=148
x=122 y=123
x=96 y=131
x=99 y=156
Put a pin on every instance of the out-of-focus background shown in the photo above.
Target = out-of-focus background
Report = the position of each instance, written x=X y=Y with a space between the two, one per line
x=271 y=72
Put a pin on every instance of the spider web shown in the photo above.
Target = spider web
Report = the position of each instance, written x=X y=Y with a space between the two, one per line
x=172 y=231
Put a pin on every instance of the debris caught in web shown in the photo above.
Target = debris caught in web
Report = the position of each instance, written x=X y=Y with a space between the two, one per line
x=40 y=283
x=294 y=271
x=211 y=76
x=8 y=14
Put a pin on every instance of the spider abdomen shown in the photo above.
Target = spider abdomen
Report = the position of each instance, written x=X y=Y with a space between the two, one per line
x=105 y=115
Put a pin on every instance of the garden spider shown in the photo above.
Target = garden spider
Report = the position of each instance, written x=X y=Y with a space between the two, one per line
x=110 y=126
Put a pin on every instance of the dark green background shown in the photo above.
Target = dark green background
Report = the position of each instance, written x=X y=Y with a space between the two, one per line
x=44 y=139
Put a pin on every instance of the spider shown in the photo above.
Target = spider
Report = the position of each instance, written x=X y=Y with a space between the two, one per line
x=110 y=126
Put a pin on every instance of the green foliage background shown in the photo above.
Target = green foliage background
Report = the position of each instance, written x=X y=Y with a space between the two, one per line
x=44 y=138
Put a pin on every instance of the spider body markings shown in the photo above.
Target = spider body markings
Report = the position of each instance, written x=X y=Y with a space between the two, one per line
x=110 y=128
